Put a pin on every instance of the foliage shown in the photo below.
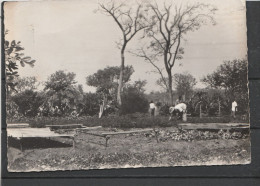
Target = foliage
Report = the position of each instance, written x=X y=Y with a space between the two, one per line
x=14 y=57
x=26 y=83
x=60 y=80
x=106 y=80
x=61 y=92
x=12 y=110
x=192 y=135
x=89 y=106
x=133 y=99
x=231 y=77
x=184 y=84
x=162 y=97
x=28 y=102
x=139 y=86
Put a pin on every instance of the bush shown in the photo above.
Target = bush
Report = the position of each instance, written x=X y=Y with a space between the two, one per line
x=28 y=102
x=133 y=101
x=89 y=105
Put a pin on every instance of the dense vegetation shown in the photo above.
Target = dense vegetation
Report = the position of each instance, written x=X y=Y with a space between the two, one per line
x=62 y=97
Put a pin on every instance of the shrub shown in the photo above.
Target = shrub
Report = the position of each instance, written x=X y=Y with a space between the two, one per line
x=133 y=101
x=28 y=102
x=89 y=105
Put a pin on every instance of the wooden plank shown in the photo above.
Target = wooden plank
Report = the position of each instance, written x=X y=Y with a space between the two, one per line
x=65 y=125
x=88 y=128
x=17 y=125
x=127 y=132
x=34 y=133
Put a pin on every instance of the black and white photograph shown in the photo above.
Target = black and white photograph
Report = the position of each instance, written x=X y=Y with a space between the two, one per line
x=111 y=84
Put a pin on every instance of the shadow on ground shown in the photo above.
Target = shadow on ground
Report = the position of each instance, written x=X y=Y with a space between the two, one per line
x=36 y=143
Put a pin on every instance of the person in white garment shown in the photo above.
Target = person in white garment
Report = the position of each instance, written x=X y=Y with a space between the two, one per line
x=179 y=110
x=152 y=107
x=234 y=109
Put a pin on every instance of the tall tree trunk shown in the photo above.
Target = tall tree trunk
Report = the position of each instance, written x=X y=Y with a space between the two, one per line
x=120 y=83
x=170 y=87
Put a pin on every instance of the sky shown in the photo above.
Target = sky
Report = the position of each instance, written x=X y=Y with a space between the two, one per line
x=72 y=36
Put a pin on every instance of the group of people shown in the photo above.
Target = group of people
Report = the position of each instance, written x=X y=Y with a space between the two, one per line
x=180 y=110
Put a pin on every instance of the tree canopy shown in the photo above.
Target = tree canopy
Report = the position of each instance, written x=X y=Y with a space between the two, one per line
x=62 y=93
x=26 y=83
x=231 y=77
x=107 y=79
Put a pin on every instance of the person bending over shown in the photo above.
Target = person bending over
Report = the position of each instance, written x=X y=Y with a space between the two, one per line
x=178 y=110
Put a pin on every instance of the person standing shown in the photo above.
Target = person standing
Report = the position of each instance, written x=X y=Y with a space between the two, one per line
x=234 y=109
x=152 y=108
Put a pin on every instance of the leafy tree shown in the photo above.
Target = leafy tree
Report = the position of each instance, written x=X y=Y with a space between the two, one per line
x=130 y=21
x=62 y=94
x=231 y=77
x=107 y=81
x=60 y=81
x=139 y=85
x=26 y=83
x=168 y=27
x=184 y=84
x=14 y=57
x=28 y=102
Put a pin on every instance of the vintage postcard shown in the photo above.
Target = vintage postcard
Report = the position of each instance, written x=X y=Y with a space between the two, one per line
x=102 y=84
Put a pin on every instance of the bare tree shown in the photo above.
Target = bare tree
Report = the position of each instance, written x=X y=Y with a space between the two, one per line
x=168 y=26
x=130 y=20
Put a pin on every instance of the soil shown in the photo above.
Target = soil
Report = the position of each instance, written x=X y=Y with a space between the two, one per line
x=125 y=150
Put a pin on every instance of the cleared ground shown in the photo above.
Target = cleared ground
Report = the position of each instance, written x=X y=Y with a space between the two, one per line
x=176 y=148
